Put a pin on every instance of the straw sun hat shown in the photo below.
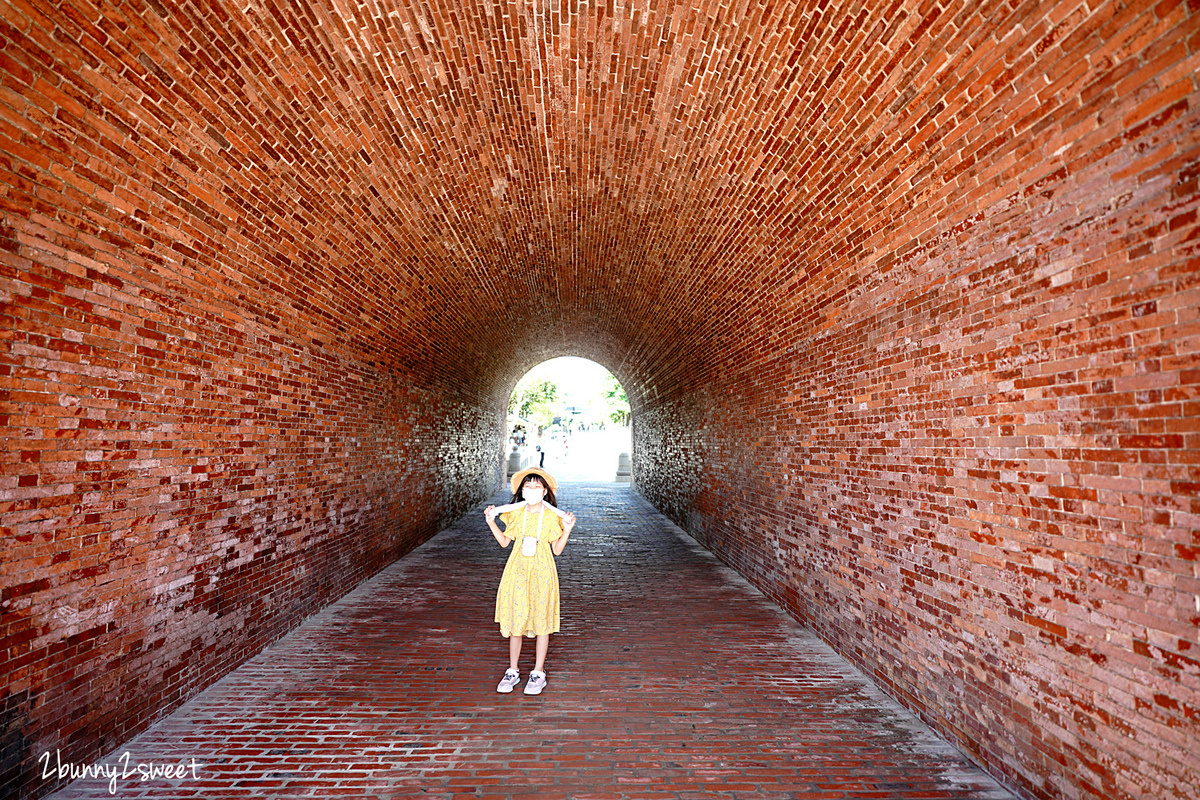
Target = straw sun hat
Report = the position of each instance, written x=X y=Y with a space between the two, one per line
x=546 y=477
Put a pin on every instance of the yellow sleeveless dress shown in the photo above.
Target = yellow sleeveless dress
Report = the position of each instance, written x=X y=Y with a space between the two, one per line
x=527 y=600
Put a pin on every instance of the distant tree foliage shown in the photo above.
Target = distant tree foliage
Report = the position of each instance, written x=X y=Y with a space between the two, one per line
x=541 y=402
x=617 y=401
x=535 y=400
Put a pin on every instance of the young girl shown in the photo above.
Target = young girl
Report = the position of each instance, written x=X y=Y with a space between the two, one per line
x=527 y=601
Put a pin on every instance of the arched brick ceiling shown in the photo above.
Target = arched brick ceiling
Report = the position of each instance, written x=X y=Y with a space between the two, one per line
x=494 y=184
x=903 y=295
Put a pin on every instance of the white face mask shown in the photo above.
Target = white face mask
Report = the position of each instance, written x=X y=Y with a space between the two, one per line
x=532 y=494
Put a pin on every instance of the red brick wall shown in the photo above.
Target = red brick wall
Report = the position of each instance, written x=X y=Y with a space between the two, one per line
x=181 y=487
x=902 y=294
x=959 y=434
x=209 y=429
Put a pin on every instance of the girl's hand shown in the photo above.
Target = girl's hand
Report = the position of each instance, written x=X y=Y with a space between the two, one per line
x=568 y=522
x=489 y=513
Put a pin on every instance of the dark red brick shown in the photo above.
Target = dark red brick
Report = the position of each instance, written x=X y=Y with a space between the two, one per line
x=645 y=697
x=897 y=291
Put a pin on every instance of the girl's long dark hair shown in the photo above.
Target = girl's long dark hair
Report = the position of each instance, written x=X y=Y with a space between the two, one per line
x=549 y=498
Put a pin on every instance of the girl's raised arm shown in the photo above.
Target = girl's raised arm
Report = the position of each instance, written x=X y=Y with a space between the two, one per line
x=489 y=514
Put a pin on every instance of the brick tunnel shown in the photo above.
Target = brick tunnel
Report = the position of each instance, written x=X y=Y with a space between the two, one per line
x=904 y=296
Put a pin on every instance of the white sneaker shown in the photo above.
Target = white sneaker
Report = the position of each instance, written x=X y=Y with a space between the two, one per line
x=511 y=678
x=536 y=682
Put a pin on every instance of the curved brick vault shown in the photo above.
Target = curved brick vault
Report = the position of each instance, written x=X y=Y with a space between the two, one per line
x=904 y=294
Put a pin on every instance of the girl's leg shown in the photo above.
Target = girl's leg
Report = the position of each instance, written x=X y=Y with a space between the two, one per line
x=543 y=644
x=514 y=651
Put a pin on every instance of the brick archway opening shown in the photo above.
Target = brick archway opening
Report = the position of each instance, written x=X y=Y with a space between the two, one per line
x=578 y=430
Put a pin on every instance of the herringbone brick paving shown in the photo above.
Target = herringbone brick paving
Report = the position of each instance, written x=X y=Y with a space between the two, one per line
x=671 y=678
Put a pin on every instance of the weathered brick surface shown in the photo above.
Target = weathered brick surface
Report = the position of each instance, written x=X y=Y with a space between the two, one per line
x=390 y=692
x=904 y=295
x=214 y=421
x=964 y=434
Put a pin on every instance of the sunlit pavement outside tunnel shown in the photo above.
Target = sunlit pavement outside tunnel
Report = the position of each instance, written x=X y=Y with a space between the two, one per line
x=671 y=678
x=585 y=456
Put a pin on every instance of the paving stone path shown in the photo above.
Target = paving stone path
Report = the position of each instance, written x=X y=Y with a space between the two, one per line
x=671 y=678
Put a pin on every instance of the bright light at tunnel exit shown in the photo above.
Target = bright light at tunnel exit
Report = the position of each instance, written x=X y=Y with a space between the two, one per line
x=580 y=431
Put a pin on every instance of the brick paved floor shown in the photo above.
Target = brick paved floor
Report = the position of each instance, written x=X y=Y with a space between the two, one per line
x=671 y=678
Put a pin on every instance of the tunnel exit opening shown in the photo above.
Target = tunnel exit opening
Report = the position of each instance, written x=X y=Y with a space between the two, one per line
x=570 y=416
